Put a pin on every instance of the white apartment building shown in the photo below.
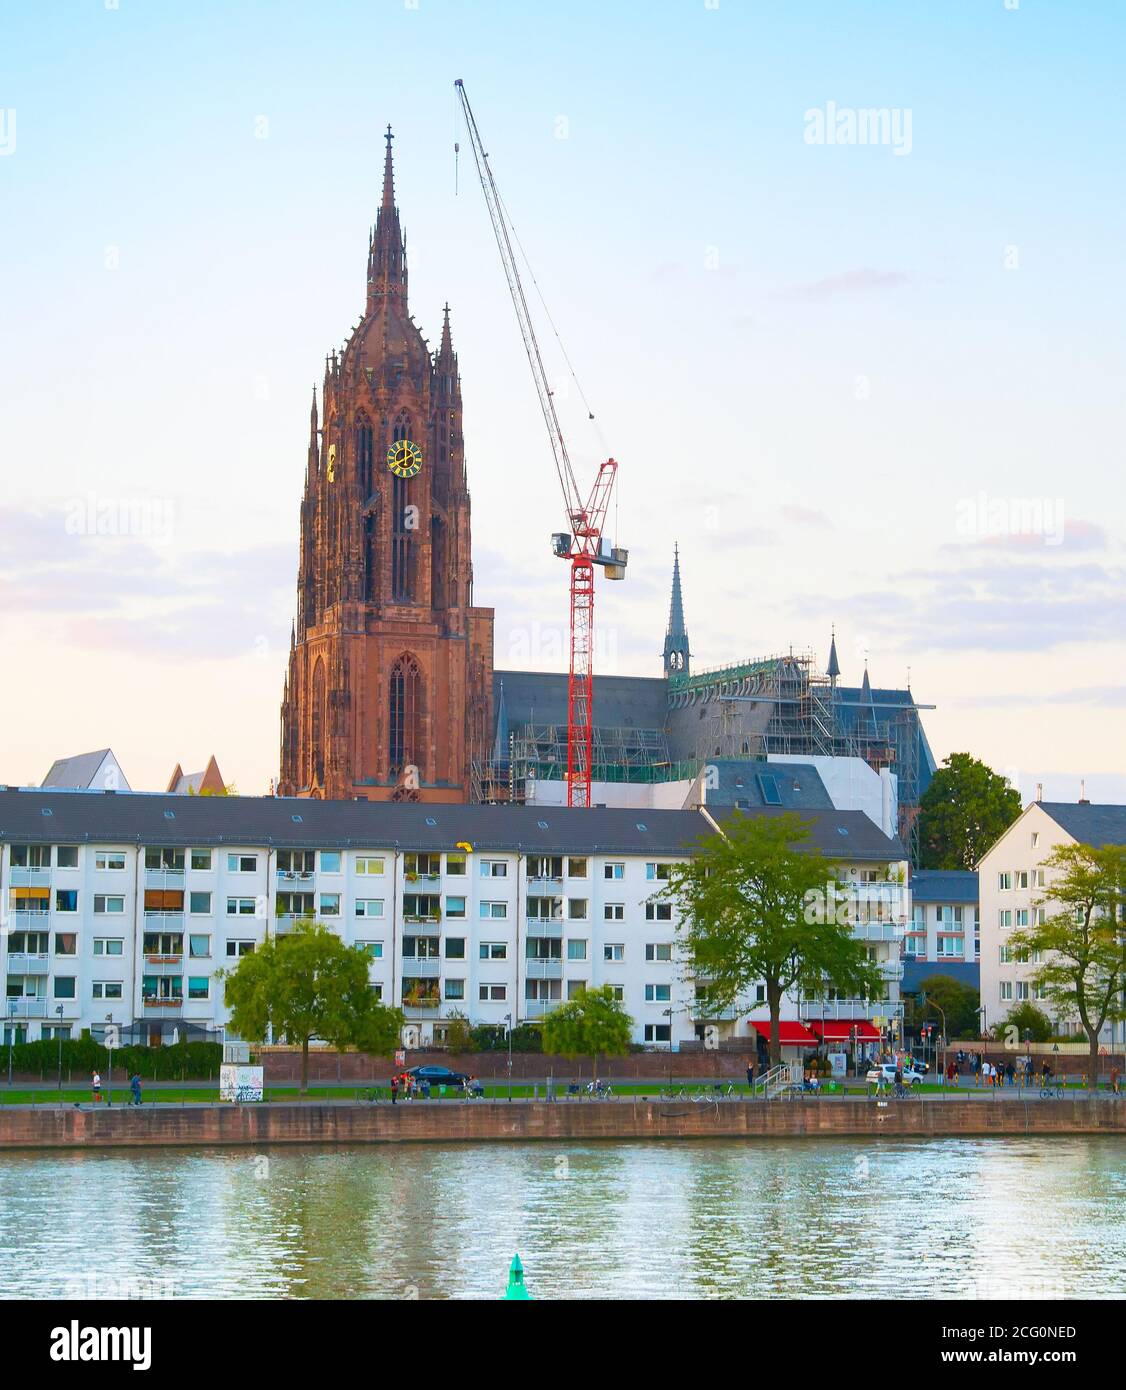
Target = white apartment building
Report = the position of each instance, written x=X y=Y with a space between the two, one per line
x=943 y=934
x=1015 y=889
x=120 y=907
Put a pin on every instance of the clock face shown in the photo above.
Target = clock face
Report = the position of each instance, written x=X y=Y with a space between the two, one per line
x=404 y=458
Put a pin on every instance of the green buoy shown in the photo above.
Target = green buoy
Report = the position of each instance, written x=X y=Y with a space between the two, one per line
x=516 y=1286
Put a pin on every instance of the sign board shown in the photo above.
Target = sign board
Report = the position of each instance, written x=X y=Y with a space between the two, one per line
x=400 y=1059
x=839 y=1063
x=240 y=1083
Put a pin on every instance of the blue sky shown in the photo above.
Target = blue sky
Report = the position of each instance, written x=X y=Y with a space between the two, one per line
x=813 y=362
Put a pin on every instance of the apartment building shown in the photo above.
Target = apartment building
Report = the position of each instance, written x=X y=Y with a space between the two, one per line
x=121 y=907
x=943 y=934
x=1015 y=887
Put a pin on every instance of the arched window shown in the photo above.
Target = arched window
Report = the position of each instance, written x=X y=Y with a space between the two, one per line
x=365 y=447
x=317 y=732
x=402 y=536
x=405 y=723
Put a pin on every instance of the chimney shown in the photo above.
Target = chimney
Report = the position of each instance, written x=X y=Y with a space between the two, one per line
x=1039 y=791
x=1083 y=793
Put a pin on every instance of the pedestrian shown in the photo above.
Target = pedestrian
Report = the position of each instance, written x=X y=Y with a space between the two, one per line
x=1011 y=1072
x=395 y=1090
x=135 y=1087
x=96 y=1088
x=751 y=1075
x=957 y=1073
x=977 y=1070
x=1045 y=1074
x=1114 y=1081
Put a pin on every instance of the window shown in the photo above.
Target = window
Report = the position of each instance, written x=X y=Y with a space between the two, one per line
x=238 y=949
x=543 y=991
x=369 y=907
x=658 y=994
x=1004 y=917
x=658 y=872
x=199 y=946
x=545 y=866
x=545 y=909
x=455 y=989
x=576 y=950
x=416 y=862
x=330 y=861
x=199 y=987
x=614 y=871
x=658 y=950
x=296 y=861
x=614 y=951
x=768 y=785
x=1022 y=878
x=455 y=908
x=294 y=904
x=52 y=1034
x=1040 y=915
x=494 y=868
x=66 y=857
x=616 y=991
x=1004 y=881
x=658 y=1032
x=1038 y=880
x=951 y=946
x=1022 y=916
x=455 y=865
x=950 y=918
x=405 y=713
x=365 y=864
x=1006 y=989
x=242 y=907
x=108 y=946
x=1006 y=954
x=421 y=907
x=66 y=943
x=494 y=911
x=613 y=912
x=65 y=987
x=106 y=989
x=109 y=905
x=199 y=904
x=168 y=861
x=330 y=905
x=1036 y=839
x=1022 y=990
x=492 y=994
x=577 y=909
x=242 y=863
x=200 y=860
x=658 y=912
x=575 y=988
x=493 y=950
x=577 y=868
x=455 y=947
x=110 y=859
x=66 y=900
x=374 y=949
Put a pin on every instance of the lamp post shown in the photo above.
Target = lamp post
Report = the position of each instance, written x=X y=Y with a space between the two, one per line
x=109 y=1069
x=59 y=1036
x=668 y=1015
x=508 y=1021
x=11 y=1035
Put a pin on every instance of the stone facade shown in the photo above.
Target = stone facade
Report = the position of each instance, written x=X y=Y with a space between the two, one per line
x=389 y=689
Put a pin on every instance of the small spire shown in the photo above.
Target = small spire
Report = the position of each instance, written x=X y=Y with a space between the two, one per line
x=834 y=669
x=676 y=652
x=388 y=204
x=446 y=347
x=387 y=254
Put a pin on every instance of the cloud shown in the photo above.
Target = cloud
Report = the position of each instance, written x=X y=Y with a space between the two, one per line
x=860 y=281
x=1094 y=696
x=805 y=516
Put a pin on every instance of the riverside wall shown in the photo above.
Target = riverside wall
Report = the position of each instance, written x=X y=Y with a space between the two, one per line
x=257 y=1126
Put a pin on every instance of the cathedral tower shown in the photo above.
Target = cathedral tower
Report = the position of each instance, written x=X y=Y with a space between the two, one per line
x=676 y=653
x=389 y=689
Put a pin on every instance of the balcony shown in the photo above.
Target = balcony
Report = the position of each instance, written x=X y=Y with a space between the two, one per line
x=702 y=1013
x=546 y=926
x=814 y=1009
x=30 y=919
x=162 y=965
x=536 y=1008
x=418 y=920
x=295 y=875
x=545 y=887
x=29 y=878
x=423 y=883
x=25 y=1008
x=157 y=921
x=164 y=878
x=425 y=1004
x=422 y=967
x=155 y=1005
x=29 y=964
x=543 y=968
x=878 y=931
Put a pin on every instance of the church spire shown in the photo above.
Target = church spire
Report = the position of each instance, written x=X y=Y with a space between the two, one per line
x=387 y=255
x=676 y=653
x=834 y=667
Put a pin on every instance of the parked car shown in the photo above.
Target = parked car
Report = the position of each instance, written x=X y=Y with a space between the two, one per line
x=439 y=1076
x=885 y=1072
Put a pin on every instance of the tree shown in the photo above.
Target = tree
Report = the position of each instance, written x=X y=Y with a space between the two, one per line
x=459 y=1037
x=965 y=809
x=1026 y=1018
x=1083 y=945
x=758 y=904
x=959 y=1002
x=305 y=985
x=592 y=1023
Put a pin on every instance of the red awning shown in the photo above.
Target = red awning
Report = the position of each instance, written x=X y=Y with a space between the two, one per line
x=790 y=1033
x=841 y=1029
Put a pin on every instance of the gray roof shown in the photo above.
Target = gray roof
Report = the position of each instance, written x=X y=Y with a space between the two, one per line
x=78 y=771
x=1089 y=824
x=620 y=702
x=944 y=886
x=747 y=783
x=841 y=835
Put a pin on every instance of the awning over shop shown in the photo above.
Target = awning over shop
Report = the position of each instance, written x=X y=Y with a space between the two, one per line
x=790 y=1033
x=845 y=1029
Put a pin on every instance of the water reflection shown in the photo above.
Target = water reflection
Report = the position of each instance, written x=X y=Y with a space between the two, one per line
x=951 y=1218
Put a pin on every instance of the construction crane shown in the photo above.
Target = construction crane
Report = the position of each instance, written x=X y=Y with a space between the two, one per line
x=582 y=543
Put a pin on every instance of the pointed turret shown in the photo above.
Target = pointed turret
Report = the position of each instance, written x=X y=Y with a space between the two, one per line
x=314 y=447
x=500 y=740
x=676 y=653
x=834 y=667
x=387 y=254
x=867 y=705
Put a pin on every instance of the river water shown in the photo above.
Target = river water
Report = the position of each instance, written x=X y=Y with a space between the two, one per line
x=963 y=1218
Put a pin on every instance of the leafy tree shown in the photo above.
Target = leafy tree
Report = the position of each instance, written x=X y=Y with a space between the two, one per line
x=306 y=985
x=959 y=1002
x=1083 y=945
x=759 y=904
x=592 y=1023
x=964 y=810
x=459 y=1036
x=1027 y=1018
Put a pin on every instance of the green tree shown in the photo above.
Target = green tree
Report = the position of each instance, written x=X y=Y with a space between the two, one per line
x=959 y=1002
x=965 y=809
x=759 y=904
x=459 y=1037
x=592 y=1023
x=1083 y=944
x=308 y=984
x=1027 y=1018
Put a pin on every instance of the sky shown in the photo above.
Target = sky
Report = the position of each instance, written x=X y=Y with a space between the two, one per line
x=842 y=281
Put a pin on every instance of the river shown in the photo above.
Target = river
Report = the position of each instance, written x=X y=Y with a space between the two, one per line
x=961 y=1218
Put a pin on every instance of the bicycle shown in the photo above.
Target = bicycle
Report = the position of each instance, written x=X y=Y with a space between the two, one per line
x=1052 y=1093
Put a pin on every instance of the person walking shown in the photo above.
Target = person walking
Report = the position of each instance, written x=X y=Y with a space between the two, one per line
x=1045 y=1074
x=977 y=1070
x=96 y=1088
x=751 y=1075
x=395 y=1090
x=1114 y=1081
x=1011 y=1072
x=135 y=1087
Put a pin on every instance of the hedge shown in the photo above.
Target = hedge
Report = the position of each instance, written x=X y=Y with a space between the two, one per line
x=183 y=1061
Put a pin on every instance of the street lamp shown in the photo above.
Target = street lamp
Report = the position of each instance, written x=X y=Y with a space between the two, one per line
x=109 y=1069
x=59 y=1035
x=668 y=1015
x=508 y=1021
x=11 y=1035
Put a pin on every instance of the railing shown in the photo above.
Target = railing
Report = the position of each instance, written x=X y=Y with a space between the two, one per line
x=30 y=878
x=164 y=878
x=702 y=1013
x=877 y=931
x=544 y=885
x=422 y=967
x=33 y=917
x=536 y=1008
x=25 y=1008
x=429 y=1003
x=156 y=919
x=162 y=964
x=772 y=1083
x=28 y=963
x=544 y=968
x=418 y=920
x=849 y=1008
x=424 y=880
x=152 y=1002
x=295 y=875
x=545 y=926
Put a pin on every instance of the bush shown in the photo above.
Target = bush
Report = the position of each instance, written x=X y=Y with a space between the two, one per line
x=184 y=1061
x=490 y=1037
